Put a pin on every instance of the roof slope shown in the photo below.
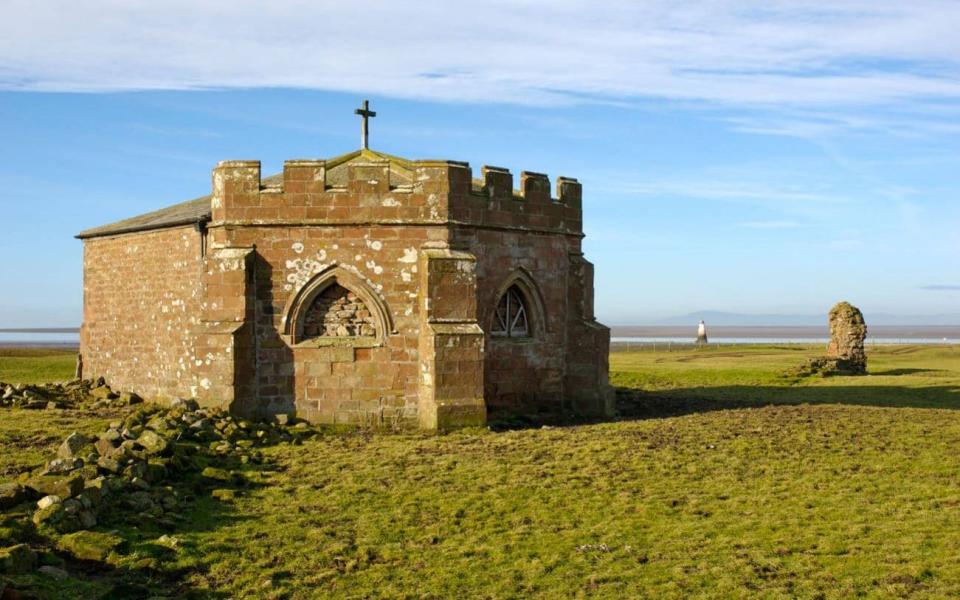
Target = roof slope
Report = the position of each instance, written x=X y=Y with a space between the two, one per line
x=185 y=213
x=198 y=209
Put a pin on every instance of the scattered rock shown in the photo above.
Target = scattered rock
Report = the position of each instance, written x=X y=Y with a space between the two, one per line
x=129 y=468
x=59 y=466
x=129 y=398
x=72 y=446
x=48 y=501
x=50 y=515
x=152 y=442
x=102 y=392
x=90 y=545
x=108 y=464
x=66 y=486
x=17 y=560
x=87 y=519
x=11 y=494
x=189 y=405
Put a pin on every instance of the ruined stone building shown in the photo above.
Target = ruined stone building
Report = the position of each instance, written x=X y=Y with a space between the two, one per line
x=362 y=289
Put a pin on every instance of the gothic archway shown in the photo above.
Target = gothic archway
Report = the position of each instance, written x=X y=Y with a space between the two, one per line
x=518 y=311
x=336 y=304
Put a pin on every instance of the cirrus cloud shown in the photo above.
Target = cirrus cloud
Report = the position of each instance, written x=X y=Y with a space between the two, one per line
x=813 y=53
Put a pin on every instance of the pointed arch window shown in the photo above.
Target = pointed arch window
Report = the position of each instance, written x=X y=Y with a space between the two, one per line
x=512 y=316
x=336 y=308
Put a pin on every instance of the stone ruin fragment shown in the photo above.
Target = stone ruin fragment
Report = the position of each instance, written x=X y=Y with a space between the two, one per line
x=847 y=334
x=845 y=352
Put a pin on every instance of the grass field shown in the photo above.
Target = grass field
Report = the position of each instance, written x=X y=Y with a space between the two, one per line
x=37 y=365
x=899 y=376
x=725 y=479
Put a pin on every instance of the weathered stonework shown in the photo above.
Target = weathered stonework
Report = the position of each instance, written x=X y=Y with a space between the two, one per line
x=845 y=352
x=338 y=312
x=848 y=331
x=362 y=289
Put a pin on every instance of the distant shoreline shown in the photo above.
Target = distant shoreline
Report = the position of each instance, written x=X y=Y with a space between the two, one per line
x=739 y=331
x=40 y=330
x=793 y=332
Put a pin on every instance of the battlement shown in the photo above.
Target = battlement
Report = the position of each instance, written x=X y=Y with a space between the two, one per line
x=371 y=187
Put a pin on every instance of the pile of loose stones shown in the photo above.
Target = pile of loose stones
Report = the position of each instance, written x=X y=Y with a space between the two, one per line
x=146 y=466
x=85 y=393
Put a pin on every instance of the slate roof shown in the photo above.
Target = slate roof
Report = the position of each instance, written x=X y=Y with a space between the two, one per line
x=198 y=209
x=185 y=213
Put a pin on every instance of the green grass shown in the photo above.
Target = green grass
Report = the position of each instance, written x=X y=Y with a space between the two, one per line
x=30 y=437
x=36 y=365
x=898 y=376
x=823 y=488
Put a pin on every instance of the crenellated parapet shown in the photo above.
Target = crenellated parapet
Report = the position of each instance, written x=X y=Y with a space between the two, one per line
x=369 y=187
x=494 y=202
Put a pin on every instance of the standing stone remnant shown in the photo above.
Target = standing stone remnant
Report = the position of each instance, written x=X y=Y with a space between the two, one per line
x=847 y=333
x=845 y=353
x=702 y=333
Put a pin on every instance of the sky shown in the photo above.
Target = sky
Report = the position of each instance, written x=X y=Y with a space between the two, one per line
x=751 y=157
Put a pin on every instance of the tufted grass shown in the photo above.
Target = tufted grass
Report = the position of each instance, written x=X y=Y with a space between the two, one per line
x=823 y=488
x=830 y=498
x=36 y=365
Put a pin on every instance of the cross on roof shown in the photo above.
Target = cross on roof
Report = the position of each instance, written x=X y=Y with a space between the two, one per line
x=365 y=113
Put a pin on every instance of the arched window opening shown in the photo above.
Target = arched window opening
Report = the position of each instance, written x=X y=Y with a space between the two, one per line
x=511 y=318
x=338 y=312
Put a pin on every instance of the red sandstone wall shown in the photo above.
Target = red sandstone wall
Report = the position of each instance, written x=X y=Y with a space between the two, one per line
x=147 y=295
x=522 y=374
x=336 y=383
x=142 y=295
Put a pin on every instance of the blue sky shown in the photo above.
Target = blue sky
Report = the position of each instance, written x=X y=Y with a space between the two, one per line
x=749 y=157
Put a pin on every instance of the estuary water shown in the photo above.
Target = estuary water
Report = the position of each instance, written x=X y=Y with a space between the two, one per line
x=621 y=335
x=40 y=338
x=723 y=335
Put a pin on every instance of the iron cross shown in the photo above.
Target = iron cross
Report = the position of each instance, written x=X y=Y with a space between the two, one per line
x=365 y=113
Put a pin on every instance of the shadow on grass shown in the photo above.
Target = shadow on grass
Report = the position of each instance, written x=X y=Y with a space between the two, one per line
x=637 y=404
x=148 y=567
x=896 y=372
x=632 y=403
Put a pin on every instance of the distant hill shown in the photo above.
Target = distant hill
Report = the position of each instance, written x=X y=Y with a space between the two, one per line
x=714 y=317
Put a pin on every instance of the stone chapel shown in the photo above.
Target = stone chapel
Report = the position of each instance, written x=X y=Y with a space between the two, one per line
x=366 y=289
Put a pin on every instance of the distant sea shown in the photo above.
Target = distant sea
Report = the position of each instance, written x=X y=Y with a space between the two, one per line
x=65 y=337
x=731 y=334
x=881 y=334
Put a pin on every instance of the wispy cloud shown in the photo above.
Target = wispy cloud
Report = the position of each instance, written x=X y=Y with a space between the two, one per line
x=941 y=288
x=787 y=54
x=706 y=187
